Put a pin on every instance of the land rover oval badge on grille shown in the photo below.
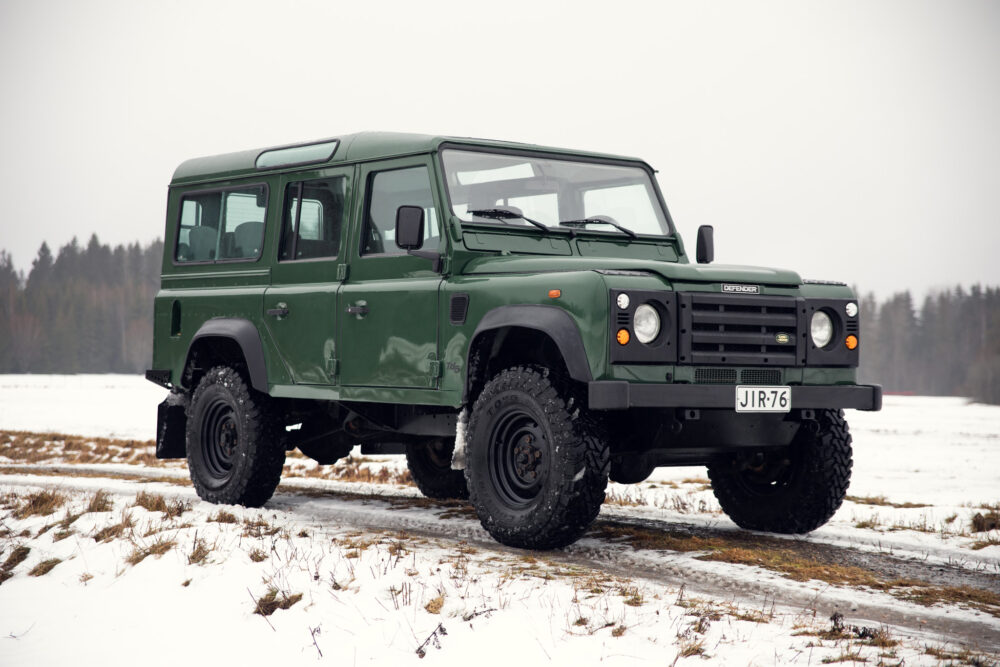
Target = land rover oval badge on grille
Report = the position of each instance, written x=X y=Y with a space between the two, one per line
x=782 y=338
x=740 y=289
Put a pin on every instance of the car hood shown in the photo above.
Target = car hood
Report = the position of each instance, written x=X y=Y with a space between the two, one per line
x=674 y=272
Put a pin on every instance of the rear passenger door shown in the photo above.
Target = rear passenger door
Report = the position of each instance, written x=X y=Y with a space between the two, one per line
x=300 y=306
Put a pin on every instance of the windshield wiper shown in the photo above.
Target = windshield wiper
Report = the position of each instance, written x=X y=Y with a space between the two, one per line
x=505 y=213
x=599 y=220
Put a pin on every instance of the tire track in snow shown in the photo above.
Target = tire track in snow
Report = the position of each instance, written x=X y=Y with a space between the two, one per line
x=376 y=511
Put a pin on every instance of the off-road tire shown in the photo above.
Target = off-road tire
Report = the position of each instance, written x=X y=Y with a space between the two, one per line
x=234 y=448
x=795 y=489
x=430 y=466
x=524 y=409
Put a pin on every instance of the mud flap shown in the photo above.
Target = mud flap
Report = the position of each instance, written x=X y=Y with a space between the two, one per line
x=171 y=423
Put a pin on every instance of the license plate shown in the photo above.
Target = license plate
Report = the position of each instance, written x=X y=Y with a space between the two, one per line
x=763 y=399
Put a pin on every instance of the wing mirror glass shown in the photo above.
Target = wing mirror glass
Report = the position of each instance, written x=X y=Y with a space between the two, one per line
x=705 y=251
x=409 y=227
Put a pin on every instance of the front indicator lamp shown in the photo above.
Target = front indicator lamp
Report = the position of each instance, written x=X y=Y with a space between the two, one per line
x=622 y=337
x=646 y=323
x=821 y=329
x=851 y=342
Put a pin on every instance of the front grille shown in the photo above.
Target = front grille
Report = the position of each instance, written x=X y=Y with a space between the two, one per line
x=738 y=329
x=760 y=376
x=715 y=376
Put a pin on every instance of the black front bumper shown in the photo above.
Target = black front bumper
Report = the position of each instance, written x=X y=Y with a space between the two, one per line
x=616 y=395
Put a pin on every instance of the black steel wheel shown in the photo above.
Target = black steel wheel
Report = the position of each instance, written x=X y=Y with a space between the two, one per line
x=537 y=462
x=234 y=449
x=429 y=462
x=794 y=489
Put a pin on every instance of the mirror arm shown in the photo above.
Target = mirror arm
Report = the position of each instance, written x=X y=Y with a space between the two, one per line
x=432 y=255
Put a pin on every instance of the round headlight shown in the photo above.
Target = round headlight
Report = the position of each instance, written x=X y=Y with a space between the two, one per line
x=851 y=309
x=821 y=329
x=646 y=323
x=622 y=300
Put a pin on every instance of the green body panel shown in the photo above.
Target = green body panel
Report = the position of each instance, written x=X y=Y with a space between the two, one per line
x=405 y=348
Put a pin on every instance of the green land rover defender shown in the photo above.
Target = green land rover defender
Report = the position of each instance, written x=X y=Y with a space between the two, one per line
x=523 y=323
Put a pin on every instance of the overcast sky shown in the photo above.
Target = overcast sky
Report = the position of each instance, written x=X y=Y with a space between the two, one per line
x=855 y=141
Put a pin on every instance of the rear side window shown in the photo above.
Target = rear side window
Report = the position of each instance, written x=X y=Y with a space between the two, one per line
x=222 y=225
x=313 y=218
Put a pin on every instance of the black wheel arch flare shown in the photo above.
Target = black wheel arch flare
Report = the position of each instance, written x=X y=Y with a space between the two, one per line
x=244 y=333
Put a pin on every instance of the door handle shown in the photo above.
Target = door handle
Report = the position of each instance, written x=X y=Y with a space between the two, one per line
x=279 y=312
x=357 y=310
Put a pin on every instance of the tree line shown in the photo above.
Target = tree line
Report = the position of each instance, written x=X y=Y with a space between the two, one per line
x=948 y=346
x=90 y=310
x=85 y=310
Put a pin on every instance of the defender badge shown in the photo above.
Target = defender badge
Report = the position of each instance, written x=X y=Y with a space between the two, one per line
x=782 y=338
x=741 y=289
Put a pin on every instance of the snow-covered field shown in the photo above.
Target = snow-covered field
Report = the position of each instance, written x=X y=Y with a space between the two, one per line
x=383 y=572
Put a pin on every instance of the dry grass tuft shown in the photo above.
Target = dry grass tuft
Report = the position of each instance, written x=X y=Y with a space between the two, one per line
x=881 y=501
x=44 y=567
x=157 y=548
x=960 y=657
x=116 y=530
x=435 y=605
x=16 y=557
x=28 y=447
x=990 y=541
x=100 y=502
x=199 y=552
x=258 y=527
x=271 y=602
x=618 y=631
x=845 y=656
x=222 y=516
x=41 y=503
x=258 y=555
x=691 y=647
x=976 y=598
x=153 y=502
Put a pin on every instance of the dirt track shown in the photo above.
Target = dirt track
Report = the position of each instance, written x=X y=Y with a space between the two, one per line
x=627 y=545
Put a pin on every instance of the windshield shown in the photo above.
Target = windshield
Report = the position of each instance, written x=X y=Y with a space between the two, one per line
x=551 y=191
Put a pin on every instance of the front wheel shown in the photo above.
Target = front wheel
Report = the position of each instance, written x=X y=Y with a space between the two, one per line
x=234 y=450
x=537 y=465
x=794 y=489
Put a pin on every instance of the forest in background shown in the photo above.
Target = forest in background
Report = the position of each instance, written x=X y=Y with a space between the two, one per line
x=90 y=310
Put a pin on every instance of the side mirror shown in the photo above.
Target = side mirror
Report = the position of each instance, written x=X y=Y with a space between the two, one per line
x=705 y=251
x=409 y=227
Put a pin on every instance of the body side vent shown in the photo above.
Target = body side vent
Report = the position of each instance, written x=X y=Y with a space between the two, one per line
x=458 y=308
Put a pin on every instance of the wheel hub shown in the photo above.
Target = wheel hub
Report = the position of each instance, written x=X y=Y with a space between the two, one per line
x=527 y=459
x=517 y=457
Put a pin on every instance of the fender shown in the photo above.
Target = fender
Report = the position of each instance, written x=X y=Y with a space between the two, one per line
x=555 y=322
x=245 y=334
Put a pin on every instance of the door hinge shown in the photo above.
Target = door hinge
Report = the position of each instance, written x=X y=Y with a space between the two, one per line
x=332 y=367
x=342 y=272
x=435 y=370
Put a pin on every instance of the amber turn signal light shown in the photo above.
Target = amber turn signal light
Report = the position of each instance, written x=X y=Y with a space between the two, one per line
x=851 y=342
x=555 y=293
x=623 y=336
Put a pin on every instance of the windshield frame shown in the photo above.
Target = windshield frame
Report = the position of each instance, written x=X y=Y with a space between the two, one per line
x=605 y=233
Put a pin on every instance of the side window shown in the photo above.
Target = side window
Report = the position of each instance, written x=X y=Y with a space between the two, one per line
x=387 y=191
x=312 y=219
x=222 y=225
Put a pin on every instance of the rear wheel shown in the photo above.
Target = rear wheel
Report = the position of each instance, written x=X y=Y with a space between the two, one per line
x=537 y=465
x=793 y=489
x=235 y=453
x=429 y=462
